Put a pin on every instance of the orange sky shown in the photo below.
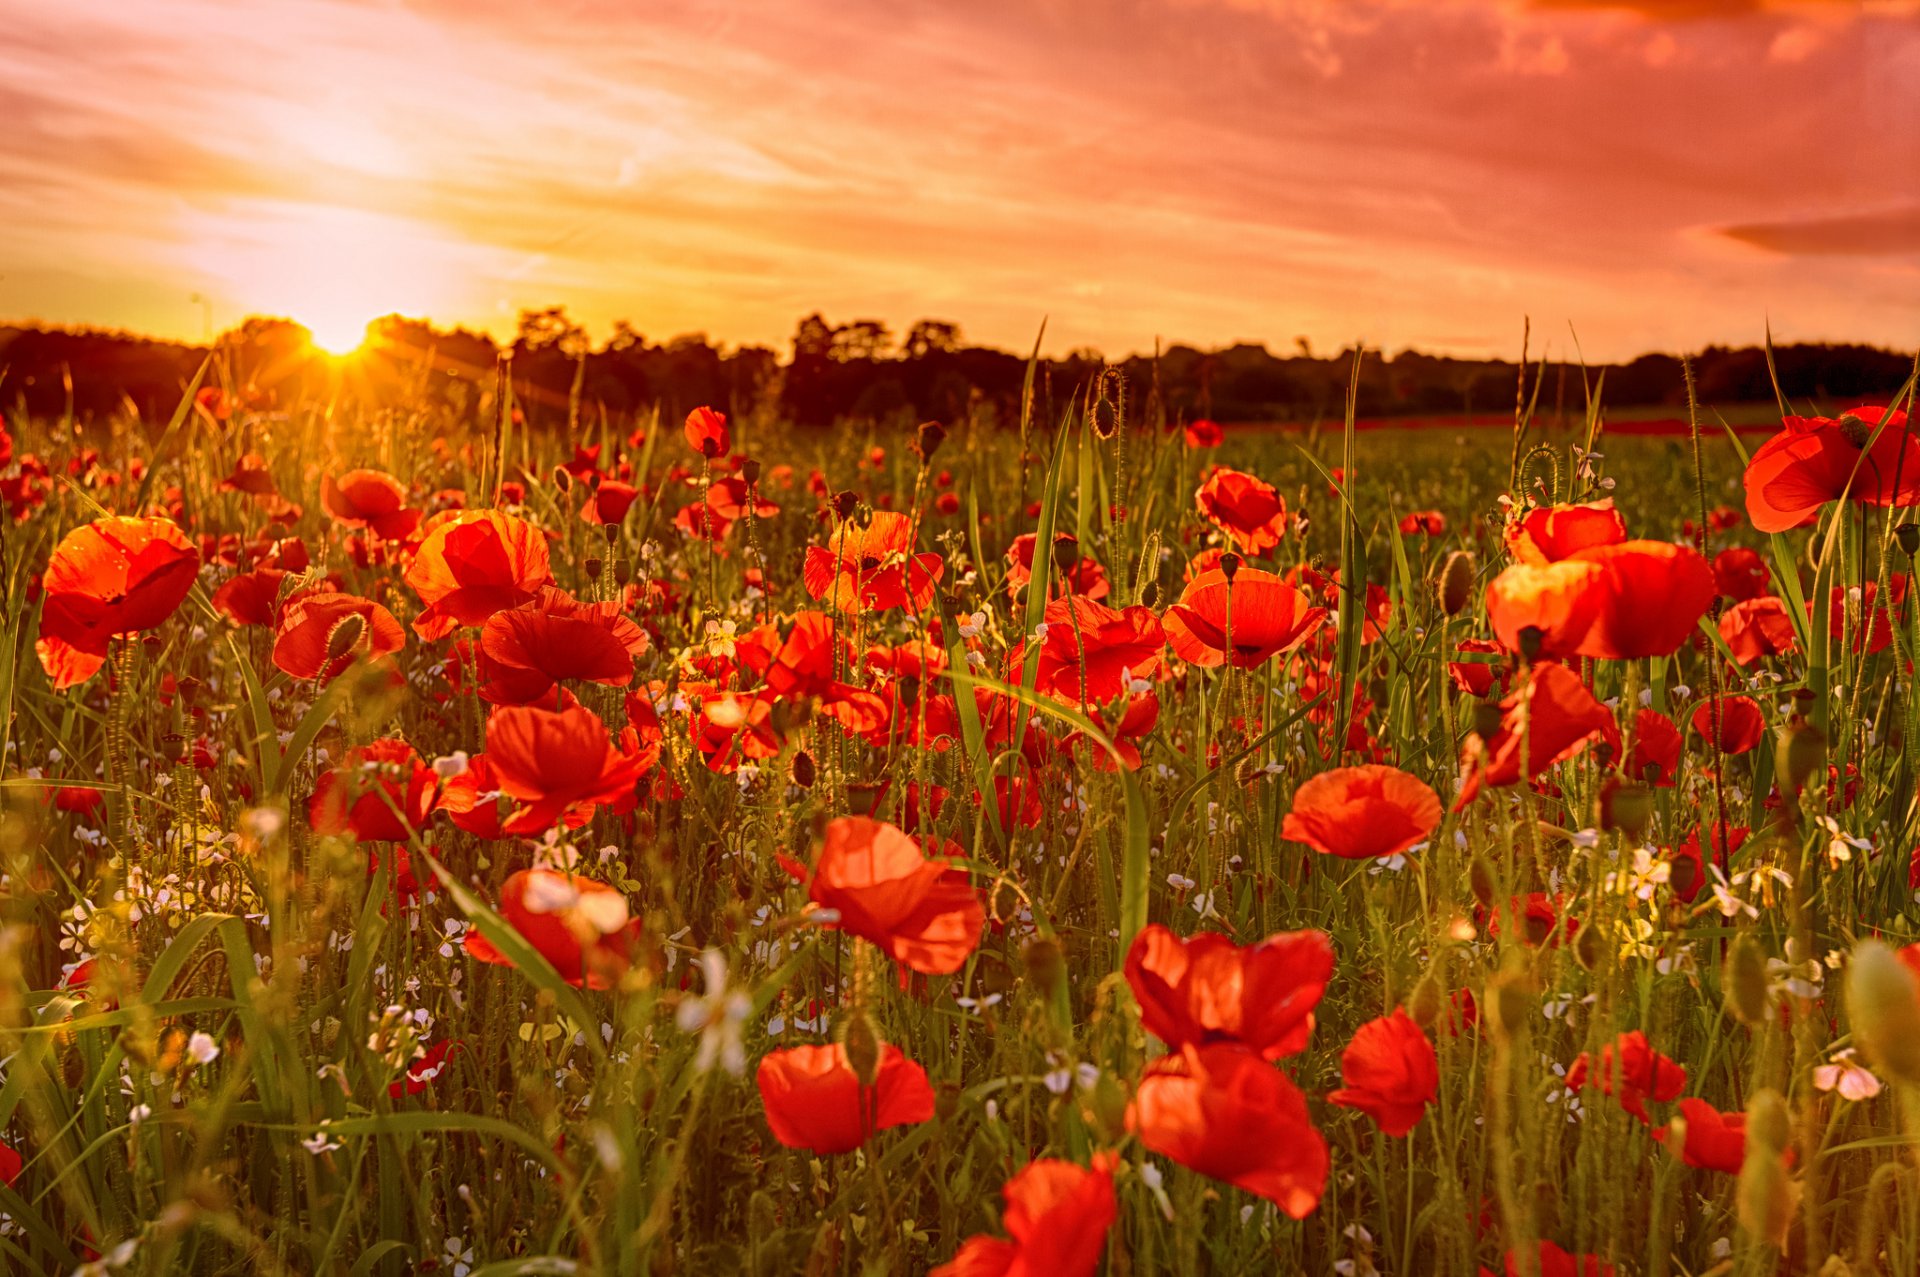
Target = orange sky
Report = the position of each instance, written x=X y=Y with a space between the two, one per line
x=1663 y=174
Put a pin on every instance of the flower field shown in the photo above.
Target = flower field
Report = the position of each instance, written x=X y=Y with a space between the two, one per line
x=435 y=841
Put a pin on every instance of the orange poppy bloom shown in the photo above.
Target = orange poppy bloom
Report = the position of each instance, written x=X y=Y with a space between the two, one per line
x=1362 y=813
x=731 y=498
x=559 y=765
x=473 y=564
x=1259 y=613
x=473 y=801
x=814 y=1100
x=1556 y=715
x=1556 y=601
x=251 y=598
x=1656 y=748
x=1548 y=534
x=1743 y=724
x=369 y=499
x=1632 y=1072
x=113 y=576
x=1206 y=989
x=1057 y=1215
x=380 y=792
x=1091 y=648
x=1741 y=574
x=1247 y=509
x=1713 y=1141
x=1429 y=523
x=310 y=622
x=581 y=927
x=554 y=638
x=924 y=914
x=1814 y=460
x=609 y=502
x=1228 y=1114
x=1391 y=1073
x=1652 y=595
x=707 y=433
x=872 y=568
x=1758 y=628
x=1086 y=578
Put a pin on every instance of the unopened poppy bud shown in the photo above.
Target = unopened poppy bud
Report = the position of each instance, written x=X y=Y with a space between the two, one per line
x=622 y=572
x=1589 y=948
x=932 y=435
x=1044 y=962
x=1486 y=720
x=1427 y=1000
x=1108 y=1103
x=1066 y=553
x=1510 y=1006
x=1150 y=594
x=345 y=635
x=562 y=479
x=863 y=517
x=861 y=1041
x=844 y=504
x=1908 y=535
x=802 y=770
x=1625 y=805
x=1456 y=582
x=593 y=566
x=1765 y=1196
x=1106 y=419
x=1883 y=1000
x=750 y=470
x=1004 y=901
x=1802 y=752
x=1530 y=641
x=611 y=531
x=1230 y=565
x=1480 y=879
x=1768 y=1122
x=1744 y=982
x=593 y=481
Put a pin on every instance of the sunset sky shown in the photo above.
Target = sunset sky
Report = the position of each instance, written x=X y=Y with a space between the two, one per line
x=1661 y=175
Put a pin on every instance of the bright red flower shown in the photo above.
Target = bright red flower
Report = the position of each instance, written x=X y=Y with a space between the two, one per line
x=1548 y=534
x=1247 y=509
x=581 y=927
x=1758 y=628
x=10 y=1164
x=1741 y=574
x=1057 y=1215
x=1651 y=596
x=1814 y=460
x=1090 y=649
x=251 y=598
x=473 y=564
x=1086 y=578
x=1261 y=614
x=113 y=576
x=609 y=502
x=1206 y=989
x=1713 y=1140
x=1632 y=1072
x=1656 y=749
x=707 y=433
x=872 y=568
x=1743 y=724
x=369 y=499
x=555 y=638
x=422 y=1070
x=1228 y=1114
x=1689 y=872
x=1204 y=434
x=731 y=498
x=1555 y=1262
x=1557 y=601
x=1362 y=813
x=1429 y=523
x=1556 y=715
x=923 y=913
x=473 y=801
x=315 y=623
x=1391 y=1073
x=559 y=765
x=380 y=792
x=814 y=1100
x=1854 y=616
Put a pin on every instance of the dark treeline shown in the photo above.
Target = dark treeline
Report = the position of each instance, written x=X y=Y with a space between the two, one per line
x=862 y=371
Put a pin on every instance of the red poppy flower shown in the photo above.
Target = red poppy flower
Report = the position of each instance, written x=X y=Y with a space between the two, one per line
x=1758 y=628
x=251 y=598
x=1651 y=596
x=1478 y=679
x=1261 y=614
x=473 y=564
x=1743 y=724
x=1632 y=1072
x=1057 y=1215
x=701 y=522
x=1205 y=434
x=369 y=499
x=579 y=926
x=707 y=433
x=318 y=637
x=1247 y=509
x=923 y=913
x=380 y=792
x=1362 y=813
x=423 y=1069
x=1557 y=602
x=1556 y=715
x=1091 y=649
x=609 y=502
x=1656 y=748
x=731 y=498
x=1391 y=1073
x=1228 y=1114
x=10 y=1164
x=1813 y=460
x=872 y=568
x=559 y=765
x=1554 y=1262
x=1206 y=989
x=1548 y=534
x=1741 y=574
x=1712 y=1140
x=1689 y=872
x=814 y=1100
x=113 y=576
x=555 y=638
x=1429 y=523
x=1854 y=616
x=1086 y=578
x=473 y=801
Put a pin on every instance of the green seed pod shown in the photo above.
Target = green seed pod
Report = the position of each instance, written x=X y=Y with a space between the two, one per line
x=1768 y=1122
x=1427 y=1000
x=1766 y=1196
x=1456 y=582
x=1908 y=535
x=1884 y=1003
x=1486 y=888
x=345 y=635
x=861 y=1041
x=1066 y=553
x=1744 y=981
x=1626 y=806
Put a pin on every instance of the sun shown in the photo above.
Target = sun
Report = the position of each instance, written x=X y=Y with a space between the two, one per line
x=336 y=335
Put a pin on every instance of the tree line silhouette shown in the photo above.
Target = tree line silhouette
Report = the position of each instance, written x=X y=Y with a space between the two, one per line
x=856 y=371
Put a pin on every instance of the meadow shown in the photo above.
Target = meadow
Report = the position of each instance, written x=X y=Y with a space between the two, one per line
x=1095 y=844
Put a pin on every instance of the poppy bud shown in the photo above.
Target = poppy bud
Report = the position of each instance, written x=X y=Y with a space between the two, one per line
x=1802 y=752
x=1530 y=640
x=1587 y=948
x=932 y=435
x=1426 y=1001
x=622 y=572
x=1509 y=1005
x=1766 y=1196
x=1250 y=770
x=844 y=504
x=1744 y=982
x=1004 y=902
x=1883 y=1001
x=345 y=635
x=593 y=481
x=1856 y=431
x=1908 y=535
x=802 y=770
x=562 y=479
x=863 y=517
x=1066 y=553
x=611 y=531
x=861 y=1041
x=1109 y=1106
x=1106 y=419
x=1150 y=594
x=750 y=470
x=1768 y=1122
x=1625 y=805
x=1480 y=878
x=1044 y=962
x=593 y=566
x=1230 y=565
x=1456 y=582
x=1486 y=720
